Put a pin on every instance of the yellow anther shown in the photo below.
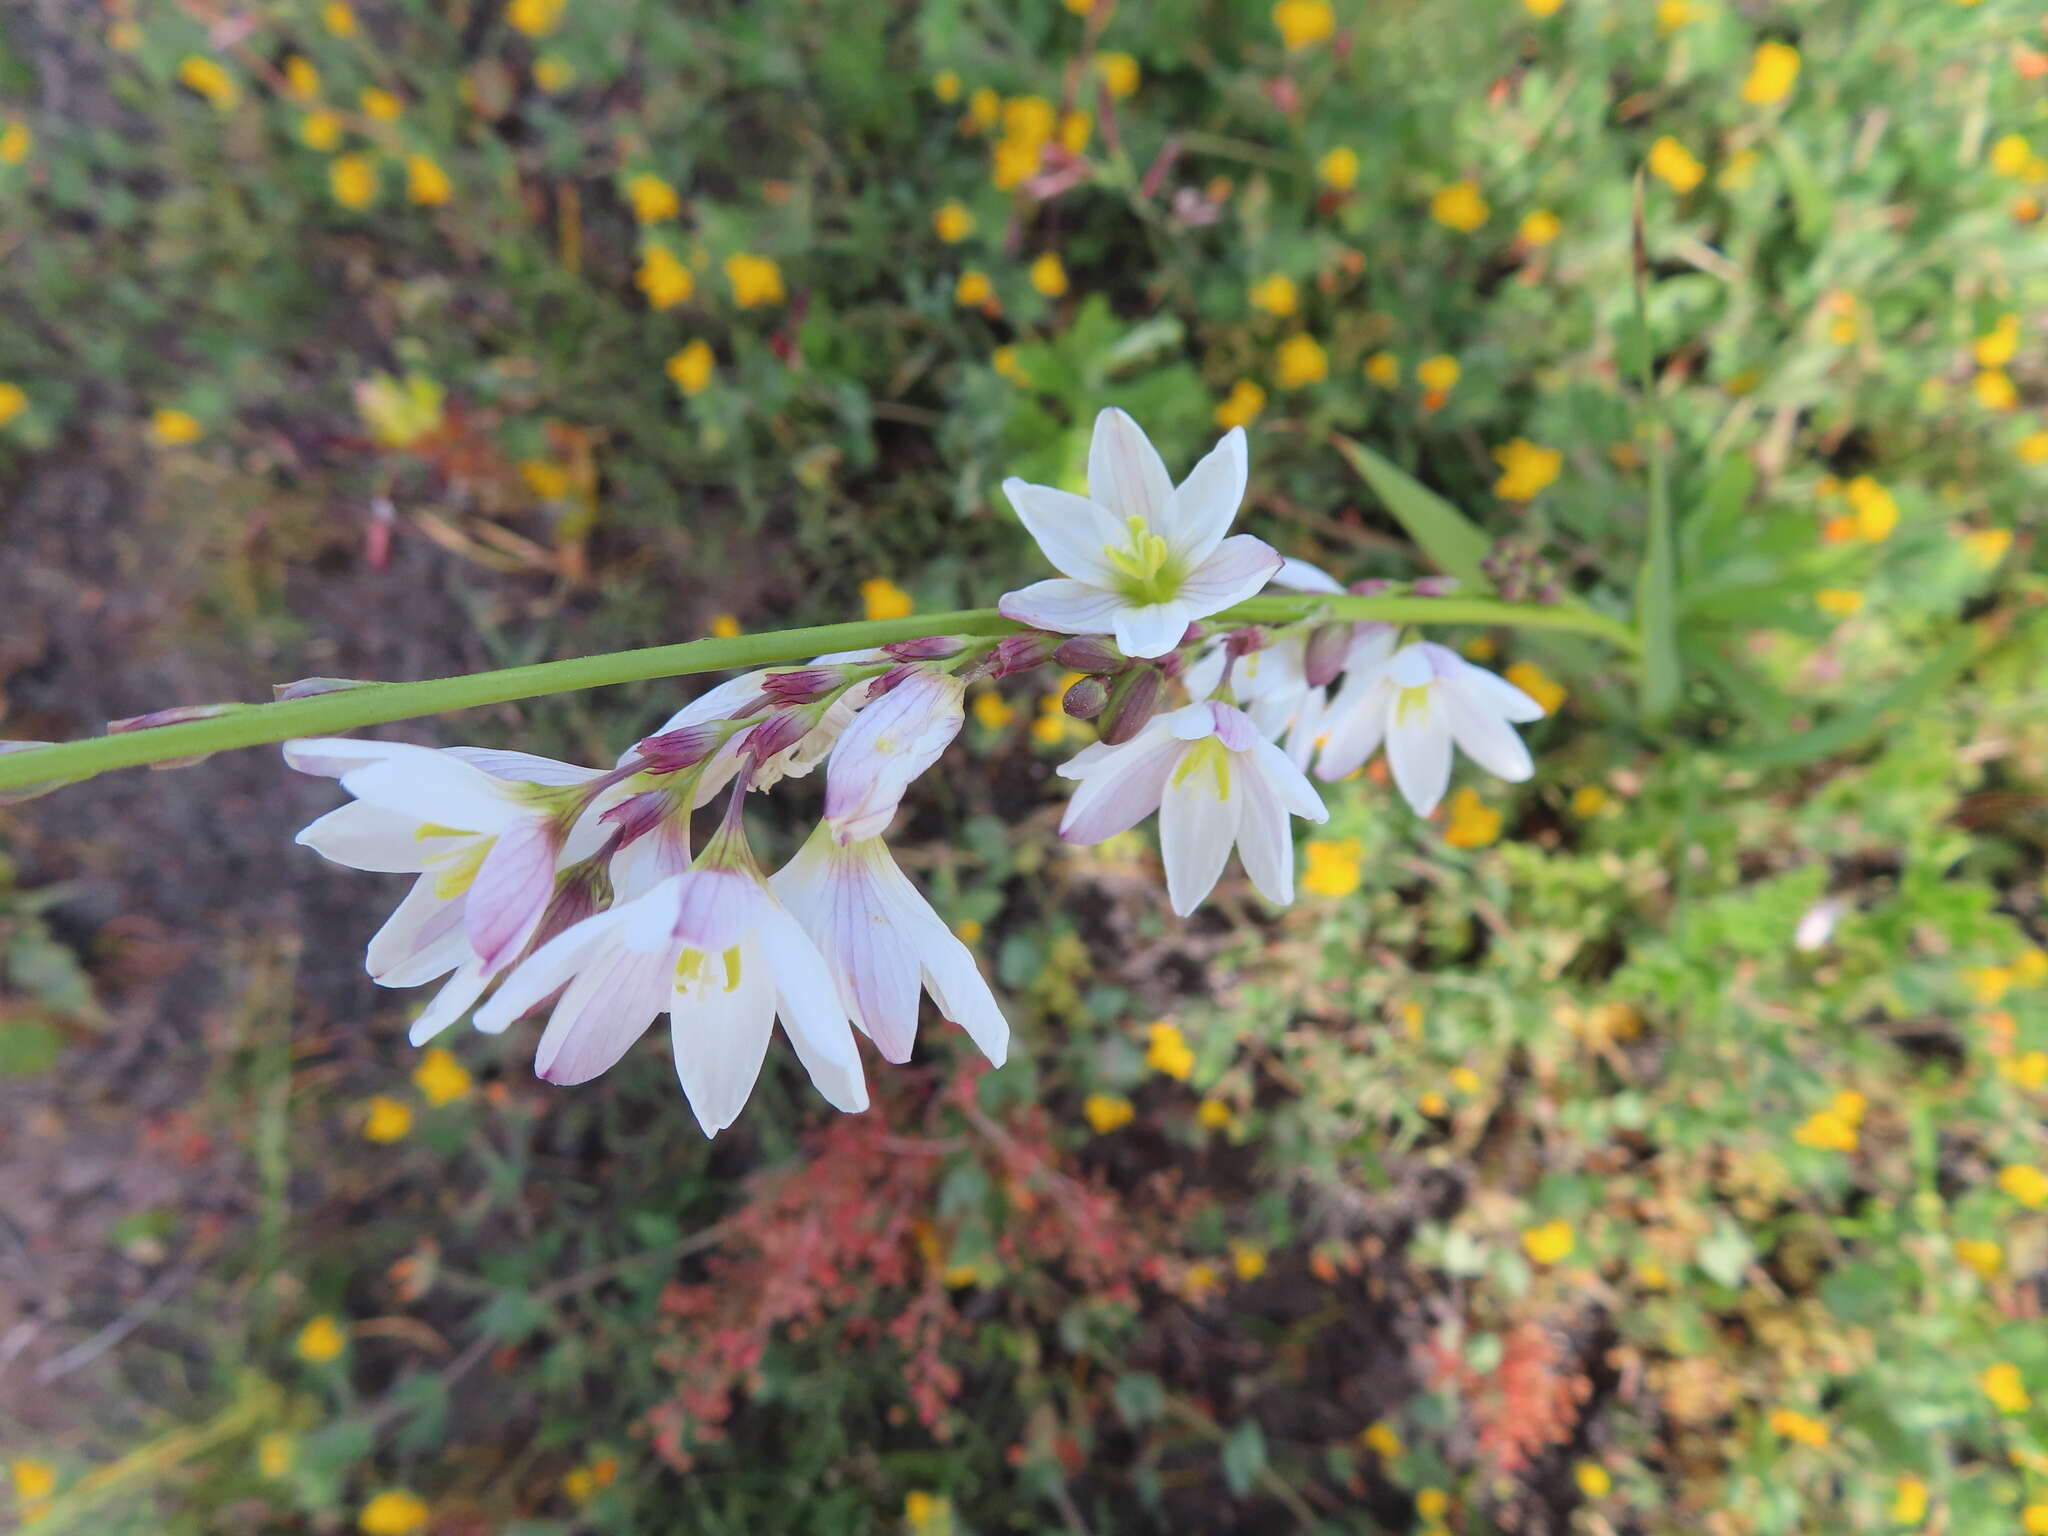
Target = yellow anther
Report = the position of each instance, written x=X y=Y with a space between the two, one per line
x=435 y=829
x=689 y=965
x=732 y=969
x=1412 y=701
x=1209 y=753
x=1142 y=560
x=460 y=873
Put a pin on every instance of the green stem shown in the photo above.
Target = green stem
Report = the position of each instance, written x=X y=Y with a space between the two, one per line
x=381 y=703
x=1657 y=584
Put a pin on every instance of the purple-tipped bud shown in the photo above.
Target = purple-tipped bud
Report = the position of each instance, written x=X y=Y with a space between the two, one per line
x=1086 y=699
x=1132 y=703
x=673 y=751
x=1090 y=653
x=778 y=733
x=930 y=648
x=1329 y=647
x=802 y=685
x=1435 y=586
x=893 y=679
x=581 y=892
x=1373 y=587
x=1172 y=664
x=177 y=715
x=1242 y=642
x=310 y=687
x=1021 y=653
x=637 y=815
x=28 y=791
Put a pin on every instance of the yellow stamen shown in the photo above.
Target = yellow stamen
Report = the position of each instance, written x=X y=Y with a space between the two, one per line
x=460 y=873
x=1209 y=753
x=732 y=969
x=435 y=829
x=1146 y=562
x=689 y=965
x=1412 y=701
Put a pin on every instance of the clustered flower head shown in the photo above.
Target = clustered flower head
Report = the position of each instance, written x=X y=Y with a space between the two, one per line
x=582 y=891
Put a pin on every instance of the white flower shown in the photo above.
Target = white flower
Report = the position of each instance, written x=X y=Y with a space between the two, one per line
x=1214 y=781
x=1420 y=701
x=888 y=745
x=484 y=830
x=715 y=950
x=1142 y=558
x=884 y=944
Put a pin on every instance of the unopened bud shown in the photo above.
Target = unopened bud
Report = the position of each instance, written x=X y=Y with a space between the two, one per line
x=893 y=679
x=778 y=733
x=1090 y=653
x=579 y=894
x=29 y=791
x=1242 y=642
x=930 y=648
x=1192 y=634
x=673 y=751
x=176 y=715
x=1086 y=699
x=802 y=685
x=311 y=687
x=1132 y=703
x=1375 y=586
x=1435 y=586
x=1020 y=653
x=1329 y=647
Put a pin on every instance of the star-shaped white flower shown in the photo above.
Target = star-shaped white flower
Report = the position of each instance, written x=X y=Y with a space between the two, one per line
x=1142 y=558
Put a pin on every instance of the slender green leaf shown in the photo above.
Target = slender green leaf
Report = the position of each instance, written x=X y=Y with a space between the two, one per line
x=1451 y=540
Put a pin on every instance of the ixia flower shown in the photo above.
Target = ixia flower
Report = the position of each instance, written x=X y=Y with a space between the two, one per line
x=1215 y=781
x=1419 y=701
x=1143 y=558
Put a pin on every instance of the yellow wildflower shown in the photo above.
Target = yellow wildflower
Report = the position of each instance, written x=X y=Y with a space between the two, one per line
x=1439 y=375
x=1674 y=14
x=1994 y=390
x=553 y=73
x=881 y=598
x=1335 y=866
x=394 y=1512
x=1381 y=1440
x=1593 y=1479
x=953 y=223
x=1541 y=8
x=1013 y=161
x=1119 y=73
x=320 y=130
x=171 y=428
x=1242 y=406
x=1300 y=360
x=16 y=140
x=1826 y=1131
x=425 y=182
x=339 y=18
x=1005 y=362
x=353 y=180
x=1550 y=1243
x=2029 y=1070
x=968 y=930
x=1464 y=1079
x=1247 y=1260
x=320 y=1341
x=1432 y=1503
x=1987 y=983
x=663 y=278
x=984 y=107
x=1877 y=513
x=724 y=626
x=2031 y=968
x=1791 y=1424
x=1772 y=70
x=756 y=280
x=2025 y=1183
x=1433 y=1104
x=2005 y=1387
x=1526 y=469
x=389 y=1120
x=1338 y=168
x=1304 y=23
x=1384 y=369
x=1459 y=206
x=690 y=366
x=1200 y=1282
x=927 y=1514
x=1167 y=1052
x=381 y=106
x=1107 y=1112
x=2011 y=154
x=1997 y=346
x=1276 y=295
x=205 y=77
x=2034 y=1519
x=1473 y=823
x=946 y=86
x=440 y=1078
x=1075 y=128
x=1539 y=227
x=1982 y=1255
x=1049 y=275
x=545 y=478
x=1839 y=602
x=34 y=1480
x=653 y=198
x=275 y=1453
x=1672 y=163
x=301 y=79
x=536 y=18
x=1214 y=1115
x=13 y=401
x=1588 y=800
x=1909 y=1501
x=992 y=711
x=1538 y=684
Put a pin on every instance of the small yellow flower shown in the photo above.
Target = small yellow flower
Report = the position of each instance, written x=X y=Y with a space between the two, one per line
x=16 y=140
x=2005 y=1387
x=2025 y=1183
x=1997 y=346
x=394 y=1512
x=1380 y=1439
x=1075 y=129
x=1459 y=206
x=663 y=278
x=1048 y=276
x=1304 y=23
x=34 y=1480
x=2031 y=968
x=1772 y=70
x=953 y=223
x=1241 y=406
x=1432 y=1503
x=1981 y=1255
x=1542 y=8
x=1029 y=119
x=1988 y=983
x=1464 y=1079
x=381 y=106
x=170 y=428
x=984 y=108
x=440 y=1078
x=968 y=930
x=992 y=711
x=1987 y=546
x=1248 y=1261
x=724 y=626
x=1473 y=823
x=1538 y=684
x=301 y=79
x=1214 y=1115
x=1593 y=1479
x=1550 y=1243
x=1439 y=375
x=1540 y=227
x=1167 y=1052
x=1082 y=7
x=1839 y=602
x=1300 y=361
x=338 y=18
x=1119 y=73
x=946 y=86
x=1588 y=800
x=425 y=182
x=353 y=180
x=320 y=130
x=13 y=401
x=1335 y=867
x=1107 y=1112
x=2029 y=1070
x=536 y=18
x=1909 y=1501
x=1014 y=161
x=553 y=73
x=1877 y=513
x=545 y=478
x=2034 y=1519
x=1006 y=363
x=389 y=1120
x=1994 y=390
x=275 y=1453
x=1672 y=163
x=1338 y=169
x=756 y=280
x=652 y=197
x=1384 y=369
x=1276 y=295
x=1826 y=1131
x=883 y=599
x=1674 y=14
x=2011 y=155
x=320 y=1341
x=1791 y=1424
x=691 y=366
x=1433 y=1104
x=1527 y=469
x=205 y=77
x=1200 y=1282
x=927 y=1514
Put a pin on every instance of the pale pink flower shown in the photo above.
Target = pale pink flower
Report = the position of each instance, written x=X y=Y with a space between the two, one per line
x=887 y=746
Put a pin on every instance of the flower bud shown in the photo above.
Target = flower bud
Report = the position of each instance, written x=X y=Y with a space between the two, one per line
x=1435 y=586
x=802 y=685
x=673 y=751
x=310 y=687
x=1020 y=653
x=29 y=791
x=177 y=715
x=930 y=648
x=1375 y=586
x=637 y=815
x=1329 y=647
x=1133 y=700
x=1086 y=699
x=778 y=733
x=1090 y=653
x=1242 y=642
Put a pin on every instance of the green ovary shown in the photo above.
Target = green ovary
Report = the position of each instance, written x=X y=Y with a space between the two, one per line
x=1150 y=572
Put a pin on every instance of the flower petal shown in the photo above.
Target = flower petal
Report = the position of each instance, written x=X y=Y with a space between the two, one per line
x=616 y=994
x=522 y=767
x=1062 y=605
x=949 y=971
x=456 y=997
x=1301 y=576
x=889 y=744
x=416 y=927
x=1232 y=572
x=1074 y=532
x=720 y=1035
x=544 y=972
x=1265 y=842
x=510 y=892
x=1289 y=784
x=1196 y=828
x=1204 y=505
x=329 y=757
x=1153 y=629
x=1354 y=725
x=836 y=896
x=364 y=836
x=808 y=999
x=432 y=786
x=1485 y=738
x=1125 y=473
x=1122 y=788
x=1419 y=752
x=1496 y=694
